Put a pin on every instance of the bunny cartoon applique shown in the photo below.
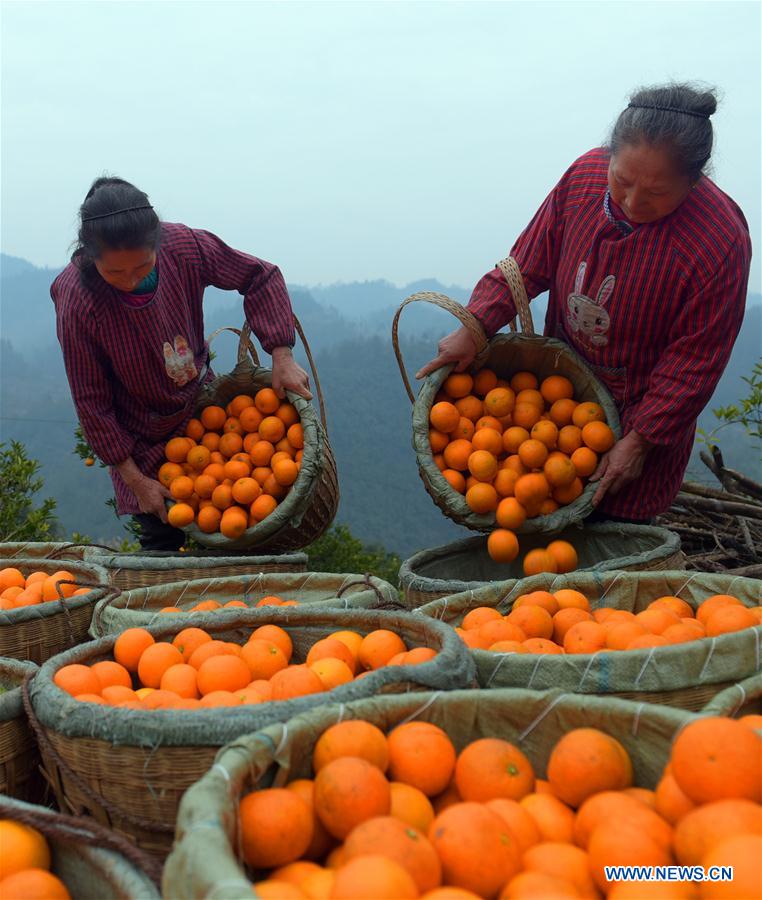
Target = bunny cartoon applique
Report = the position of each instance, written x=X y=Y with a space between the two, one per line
x=179 y=362
x=588 y=320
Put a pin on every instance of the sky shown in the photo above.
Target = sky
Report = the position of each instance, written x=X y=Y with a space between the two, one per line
x=349 y=141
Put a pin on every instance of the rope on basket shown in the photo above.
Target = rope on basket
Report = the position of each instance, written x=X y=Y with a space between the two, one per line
x=72 y=830
x=65 y=608
x=97 y=799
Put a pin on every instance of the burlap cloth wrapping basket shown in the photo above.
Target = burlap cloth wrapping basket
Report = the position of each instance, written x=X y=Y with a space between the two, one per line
x=684 y=675
x=129 y=768
x=38 y=632
x=311 y=504
x=93 y=863
x=466 y=565
x=41 y=549
x=204 y=862
x=505 y=354
x=127 y=571
x=742 y=699
x=140 y=606
x=19 y=757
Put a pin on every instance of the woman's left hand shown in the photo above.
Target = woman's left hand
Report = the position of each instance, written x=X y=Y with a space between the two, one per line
x=288 y=375
x=622 y=464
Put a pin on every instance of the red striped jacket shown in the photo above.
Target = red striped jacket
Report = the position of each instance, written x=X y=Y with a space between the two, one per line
x=655 y=313
x=135 y=371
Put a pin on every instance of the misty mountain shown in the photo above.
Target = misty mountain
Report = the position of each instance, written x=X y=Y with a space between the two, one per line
x=349 y=329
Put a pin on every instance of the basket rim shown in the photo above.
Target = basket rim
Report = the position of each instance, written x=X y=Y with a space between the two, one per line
x=455 y=503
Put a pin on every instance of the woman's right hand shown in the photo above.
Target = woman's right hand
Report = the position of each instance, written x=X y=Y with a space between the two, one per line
x=151 y=495
x=458 y=347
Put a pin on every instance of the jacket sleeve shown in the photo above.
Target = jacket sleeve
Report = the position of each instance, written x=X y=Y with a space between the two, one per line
x=266 y=302
x=700 y=343
x=534 y=251
x=88 y=375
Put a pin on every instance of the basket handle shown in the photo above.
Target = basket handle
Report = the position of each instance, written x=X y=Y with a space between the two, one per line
x=244 y=342
x=467 y=319
x=512 y=274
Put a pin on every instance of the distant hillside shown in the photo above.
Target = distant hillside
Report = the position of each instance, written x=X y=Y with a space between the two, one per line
x=349 y=328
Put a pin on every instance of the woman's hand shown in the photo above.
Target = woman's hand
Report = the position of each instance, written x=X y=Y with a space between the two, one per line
x=458 y=347
x=288 y=375
x=621 y=465
x=151 y=495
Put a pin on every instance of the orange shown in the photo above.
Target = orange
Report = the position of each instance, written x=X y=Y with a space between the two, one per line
x=476 y=848
x=211 y=440
x=497 y=630
x=52 y=585
x=181 y=488
x=562 y=861
x=569 y=598
x=490 y=768
x=458 y=385
x=490 y=422
x=482 y=465
x=180 y=515
x=444 y=417
x=524 y=381
x=564 y=619
x=585 y=762
x=546 y=432
x=678 y=606
x=190 y=639
x=616 y=806
x=348 y=791
x=531 y=489
x=116 y=695
x=488 y=439
x=623 y=843
x=457 y=453
x=510 y=513
x=716 y=758
x=77 y=679
x=285 y=472
x=651 y=890
x=543 y=599
x=598 y=436
x=455 y=480
x=587 y=412
x=245 y=491
x=237 y=468
x=657 y=620
x=465 y=430
x=111 y=673
x=438 y=440
x=585 y=461
x=570 y=439
x=261 y=453
x=208 y=519
x=199 y=458
x=411 y=806
x=743 y=852
x=530 y=395
x=321 y=840
x=503 y=545
x=182 y=680
x=267 y=401
x=520 y=824
x=561 y=412
x=272 y=429
x=233 y=523
x=647 y=641
x=533 y=454
x=277 y=636
x=534 y=621
x=499 y=402
x=11 y=577
x=295 y=681
x=700 y=829
x=711 y=604
x=177 y=449
x=479 y=615
x=535 y=885
x=275 y=827
x=263 y=659
x=539 y=560
x=249 y=419
x=213 y=418
x=33 y=884
x=484 y=381
x=568 y=493
x=481 y=498
x=399 y=842
x=223 y=673
x=564 y=554
x=526 y=415
x=728 y=619
x=295 y=435
x=556 y=387
x=585 y=637
x=332 y=648
x=287 y=413
x=353 y=737
x=554 y=819
x=470 y=408
x=154 y=662
x=621 y=634
x=230 y=444
x=262 y=507
x=167 y=474
x=513 y=438
x=204 y=485
x=559 y=471
x=374 y=877
x=130 y=645
x=378 y=647
x=422 y=755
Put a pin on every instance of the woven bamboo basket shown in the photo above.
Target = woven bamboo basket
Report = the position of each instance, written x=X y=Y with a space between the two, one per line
x=19 y=757
x=142 y=606
x=93 y=863
x=466 y=565
x=742 y=699
x=129 y=768
x=41 y=550
x=505 y=354
x=310 y=506
x=684 y=675
x=38 y=632
x=145 y=569
x=204 y=861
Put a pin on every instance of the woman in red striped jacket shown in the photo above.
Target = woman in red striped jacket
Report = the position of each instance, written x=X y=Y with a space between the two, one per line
x=131 y=326
x=646 y=262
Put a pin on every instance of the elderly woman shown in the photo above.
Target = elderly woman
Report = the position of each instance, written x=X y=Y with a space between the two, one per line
x=646 y=262
x=130 y=321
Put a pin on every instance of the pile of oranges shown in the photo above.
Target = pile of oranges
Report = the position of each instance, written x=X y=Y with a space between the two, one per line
x=213 y=605
x=195 y=671
x=234 y=465
x=517 y=449
x=25 y=865
x=405 y=815
x=18 y=590
x=563 y=622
